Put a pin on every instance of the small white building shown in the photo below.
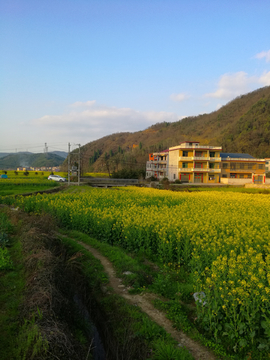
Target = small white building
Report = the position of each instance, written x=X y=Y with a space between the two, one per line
x=157 y=166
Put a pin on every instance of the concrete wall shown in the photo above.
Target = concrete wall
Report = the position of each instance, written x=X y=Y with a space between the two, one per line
x=173 y=165
x=230 y=181
x=242 y=181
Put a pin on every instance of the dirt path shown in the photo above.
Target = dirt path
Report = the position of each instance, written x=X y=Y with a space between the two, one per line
x=198 y=351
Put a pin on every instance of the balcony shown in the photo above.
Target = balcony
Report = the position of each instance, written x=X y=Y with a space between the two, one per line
x=232 y=170
x=186 y=169
x=159 y=161
x=202 y=158
x=187 y=146
x=210 y=170
x=200 y=169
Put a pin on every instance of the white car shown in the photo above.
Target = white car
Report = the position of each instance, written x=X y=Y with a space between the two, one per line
x=56 y=178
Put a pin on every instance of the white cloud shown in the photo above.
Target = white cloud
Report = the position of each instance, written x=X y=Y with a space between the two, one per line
x=232 y=85
x=83 y=104
x=264 y=54
x=265 y=78
x=97 y=121
x=179 y=97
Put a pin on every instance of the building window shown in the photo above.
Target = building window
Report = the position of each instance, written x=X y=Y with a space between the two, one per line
x=224 y=175
x=185 y=165
x=261 y=166
x=212 y=177
x=211 y=165
x=249 y=176
x=250 y=165
x=185 y=153
x=173 y=176
x=198 y=153
x=225 y=166
x=212 y=154
x=241 y=176
x=242 y=166
x=233 y=166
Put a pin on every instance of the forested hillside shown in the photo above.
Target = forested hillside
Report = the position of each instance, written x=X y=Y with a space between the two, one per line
x=243 y=125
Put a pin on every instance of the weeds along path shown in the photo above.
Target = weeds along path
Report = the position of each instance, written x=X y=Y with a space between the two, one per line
x=144 y=301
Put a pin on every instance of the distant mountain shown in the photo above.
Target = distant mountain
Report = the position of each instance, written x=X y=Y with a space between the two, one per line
x=2 y=154
x=62 y=154
x=13 y=161
x=243 y=125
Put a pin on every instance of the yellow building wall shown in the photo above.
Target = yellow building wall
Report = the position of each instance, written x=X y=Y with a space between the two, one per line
x=190 y=153
x=215 y=180
x=190 y=164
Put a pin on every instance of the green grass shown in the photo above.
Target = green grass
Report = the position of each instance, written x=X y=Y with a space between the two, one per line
x=32 y=174
x=12 y=282
x=142 y=274
x=9 y=187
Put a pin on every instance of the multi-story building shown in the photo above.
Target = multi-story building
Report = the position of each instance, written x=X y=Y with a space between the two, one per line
x=242 y=166
x=194 y=163
x=157 y=166
x=191 y=162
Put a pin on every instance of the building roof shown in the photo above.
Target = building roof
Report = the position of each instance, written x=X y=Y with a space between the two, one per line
x=191 y=142
x=236 y=156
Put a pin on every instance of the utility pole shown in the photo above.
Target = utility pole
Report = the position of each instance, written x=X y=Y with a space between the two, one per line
x=68 y=163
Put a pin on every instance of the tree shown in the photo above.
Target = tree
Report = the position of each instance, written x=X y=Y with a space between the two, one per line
x=107 y=162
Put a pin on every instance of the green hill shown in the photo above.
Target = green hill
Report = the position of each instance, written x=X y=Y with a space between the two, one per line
x=13 y=161
x=243 y=125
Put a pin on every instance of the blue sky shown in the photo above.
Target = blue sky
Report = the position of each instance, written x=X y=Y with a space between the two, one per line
x=75 y=71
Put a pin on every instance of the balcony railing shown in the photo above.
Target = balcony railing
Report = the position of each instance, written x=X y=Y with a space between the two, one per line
x=242 y=170
x=186 y=146
x=159 y=161
x=194 y=169
x=203 y=158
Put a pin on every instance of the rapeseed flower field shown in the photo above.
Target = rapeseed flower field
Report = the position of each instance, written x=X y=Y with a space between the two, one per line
x=221 y=238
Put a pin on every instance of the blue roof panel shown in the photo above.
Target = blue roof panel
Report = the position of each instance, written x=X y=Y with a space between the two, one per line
x=236 y=156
